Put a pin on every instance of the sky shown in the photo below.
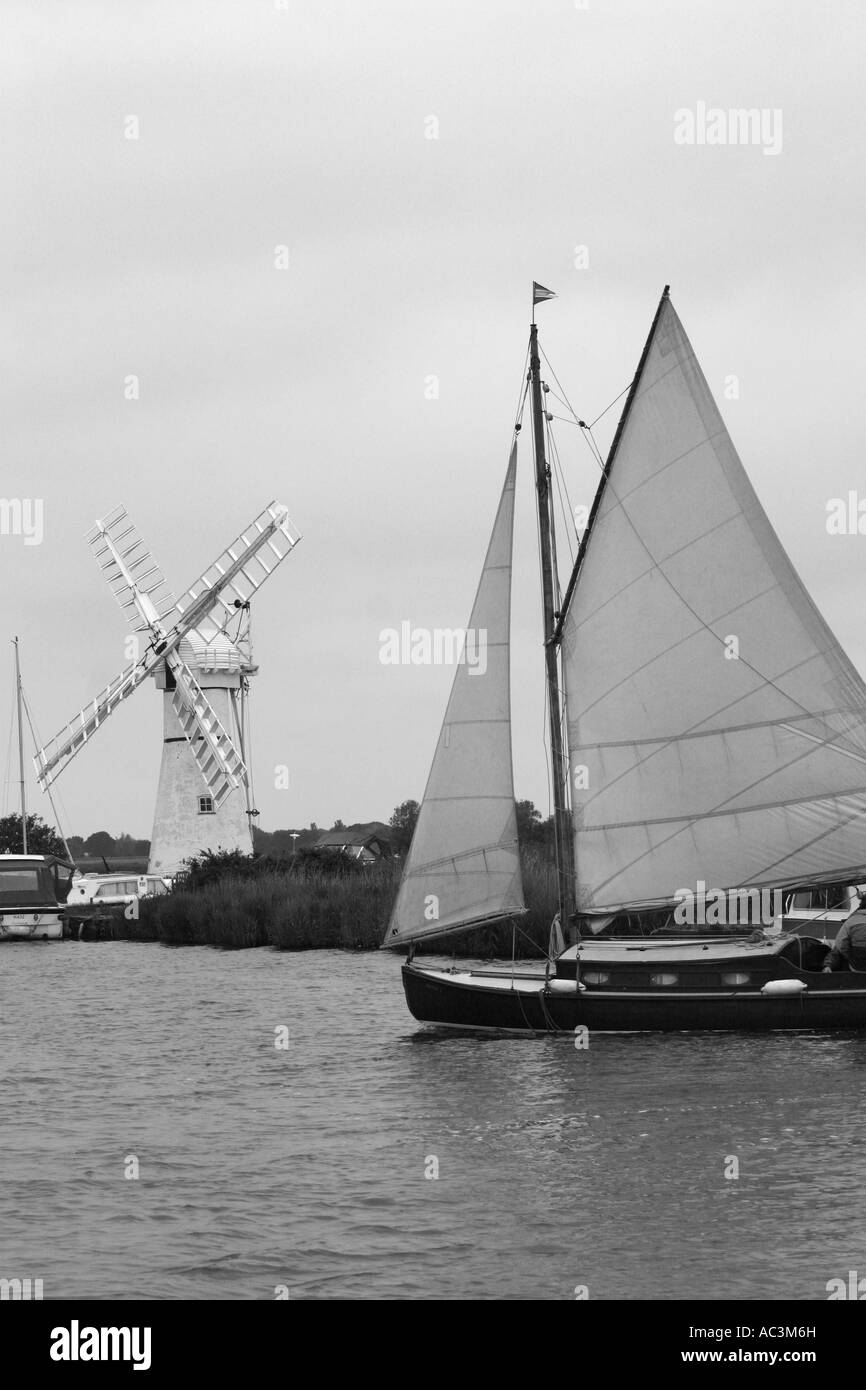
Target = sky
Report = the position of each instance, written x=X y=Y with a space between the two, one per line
x=422 y=164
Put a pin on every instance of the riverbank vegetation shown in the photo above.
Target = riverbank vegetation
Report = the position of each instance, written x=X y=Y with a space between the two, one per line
x=236 y=901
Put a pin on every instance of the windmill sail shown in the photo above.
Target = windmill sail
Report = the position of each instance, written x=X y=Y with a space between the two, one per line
x=60 y=750
x=238 y=573
x=717 y=731
x=463 y=867
x=125 y=560
x=219 y=762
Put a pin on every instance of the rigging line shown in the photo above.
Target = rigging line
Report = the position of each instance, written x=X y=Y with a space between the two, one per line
x=7 y=778
x=568 y=527
x=248 y=749
x=599 y=457
x=584 y=429
x=611 y=406
x=559 y=398
x=26 y=705
x=571 y=525
x=531 y=941
x=566 y=402
x=567 y=516
x=551 y=512
x=38 y=743
x=524 y=388
x=518 y=424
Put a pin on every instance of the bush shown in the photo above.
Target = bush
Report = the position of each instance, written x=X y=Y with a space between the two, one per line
x=336 y=905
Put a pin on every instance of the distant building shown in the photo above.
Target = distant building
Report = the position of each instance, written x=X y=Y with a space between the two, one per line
x=365 y=843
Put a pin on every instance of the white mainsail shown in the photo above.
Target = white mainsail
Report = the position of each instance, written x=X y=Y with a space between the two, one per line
x=463 y=866
x=717 y=731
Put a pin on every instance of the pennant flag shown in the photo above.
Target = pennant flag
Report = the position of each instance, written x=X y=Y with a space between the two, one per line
x=539 y=293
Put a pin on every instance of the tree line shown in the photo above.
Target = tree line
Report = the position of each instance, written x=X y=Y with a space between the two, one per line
x=532 y=830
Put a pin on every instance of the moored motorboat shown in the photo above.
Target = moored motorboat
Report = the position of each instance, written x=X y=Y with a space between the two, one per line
x=33 y=887
x=33 y=891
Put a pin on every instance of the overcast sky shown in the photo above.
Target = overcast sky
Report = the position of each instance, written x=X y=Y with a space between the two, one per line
x=307 y=126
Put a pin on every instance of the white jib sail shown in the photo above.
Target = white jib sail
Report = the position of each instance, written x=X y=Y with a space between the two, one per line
x=717 y=731
x=463 y=866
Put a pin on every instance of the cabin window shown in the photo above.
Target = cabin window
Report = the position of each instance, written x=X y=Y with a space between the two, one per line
x=738 y=977
x=800 y=902
x=205 y=806
x=664 y=979
x=594 y=977
x=827 y=898
x=22 y=882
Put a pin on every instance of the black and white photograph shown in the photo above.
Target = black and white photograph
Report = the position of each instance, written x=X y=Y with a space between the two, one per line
x=433 y=571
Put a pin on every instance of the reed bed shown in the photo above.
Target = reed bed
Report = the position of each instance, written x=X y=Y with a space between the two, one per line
x=322 y=911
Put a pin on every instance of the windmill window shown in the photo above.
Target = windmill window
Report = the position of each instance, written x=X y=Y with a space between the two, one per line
x=205 y=806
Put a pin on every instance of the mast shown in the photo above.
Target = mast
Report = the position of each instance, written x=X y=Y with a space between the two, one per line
x=564 y=853
x=20 y=745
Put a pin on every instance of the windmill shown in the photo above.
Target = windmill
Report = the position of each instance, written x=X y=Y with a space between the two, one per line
x=198 y=651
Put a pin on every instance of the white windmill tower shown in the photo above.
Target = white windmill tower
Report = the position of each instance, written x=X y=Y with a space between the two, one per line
x=199 y=653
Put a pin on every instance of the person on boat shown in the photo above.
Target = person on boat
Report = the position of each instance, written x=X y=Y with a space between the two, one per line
x=556 y=944
x=849 y=948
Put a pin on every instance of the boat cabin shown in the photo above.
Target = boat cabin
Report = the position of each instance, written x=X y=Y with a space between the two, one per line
x=819 y=910
x=33 y=880
x=116 y=888
x=33 y=893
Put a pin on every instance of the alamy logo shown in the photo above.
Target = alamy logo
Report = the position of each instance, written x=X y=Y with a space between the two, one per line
x=846 y=517
x=737 y=126
x=76 y=1343
x=439 y=646
x=22 y=516
x=855 y=1288
x=737 y=906
x=20 y=1289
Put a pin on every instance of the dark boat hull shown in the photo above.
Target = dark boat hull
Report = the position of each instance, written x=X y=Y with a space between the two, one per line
x=829 y=1002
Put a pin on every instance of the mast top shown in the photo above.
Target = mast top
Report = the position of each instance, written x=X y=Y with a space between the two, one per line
x=539 y=294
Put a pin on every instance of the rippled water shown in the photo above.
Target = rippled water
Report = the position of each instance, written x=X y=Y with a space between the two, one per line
x=304 y=1167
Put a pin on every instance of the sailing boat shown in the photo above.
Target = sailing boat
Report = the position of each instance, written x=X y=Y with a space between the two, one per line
x=706 y=728
x=33 y=887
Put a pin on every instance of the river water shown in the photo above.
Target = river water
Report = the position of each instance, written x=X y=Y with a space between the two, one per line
x=301 y=1168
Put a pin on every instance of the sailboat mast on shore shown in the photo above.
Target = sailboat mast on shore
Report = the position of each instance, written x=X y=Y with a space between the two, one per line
x=21 y=781
x=22 y=710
